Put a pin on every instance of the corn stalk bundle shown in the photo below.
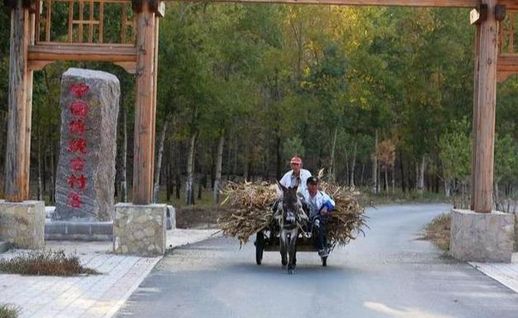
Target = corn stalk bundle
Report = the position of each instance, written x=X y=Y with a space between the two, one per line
x=348 y=219
x=250 y=205
x=250 y=211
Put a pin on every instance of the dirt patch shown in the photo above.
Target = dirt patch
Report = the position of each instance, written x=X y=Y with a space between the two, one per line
x=438 y=231
x=198 y=217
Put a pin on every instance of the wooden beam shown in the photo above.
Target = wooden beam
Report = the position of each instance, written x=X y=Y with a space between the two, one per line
x=482 y=190
x=406 y=3
x=475 y=112
x=144 y=156
x=28 y=105
x=507 y=66
x=82 y=52
x=509 y=4
x=70 y=22
x=16 y=174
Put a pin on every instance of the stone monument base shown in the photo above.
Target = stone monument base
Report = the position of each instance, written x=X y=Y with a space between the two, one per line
x=22 y=224
x=482 y=237
x=139 y=229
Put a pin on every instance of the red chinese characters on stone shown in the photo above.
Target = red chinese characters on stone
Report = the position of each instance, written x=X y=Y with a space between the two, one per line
x=77 y=181
x=76 y=127
x=77 y=145
x=77 y=164
x=79 y=89
x=74 y=200
x=79 y=108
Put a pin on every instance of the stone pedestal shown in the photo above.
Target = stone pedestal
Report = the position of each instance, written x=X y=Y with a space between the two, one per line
x=86 y=168
x=139 y=229
x=482 y=237
x=23 y=223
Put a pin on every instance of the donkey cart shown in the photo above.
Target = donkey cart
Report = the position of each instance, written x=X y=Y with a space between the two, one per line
x=267 y=240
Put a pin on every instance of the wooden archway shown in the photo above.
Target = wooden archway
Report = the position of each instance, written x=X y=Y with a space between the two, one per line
x=136 y=51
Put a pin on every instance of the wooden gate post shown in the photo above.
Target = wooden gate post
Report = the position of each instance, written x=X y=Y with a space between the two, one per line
x=484 y=112
x=145 y=101
x=17 y=162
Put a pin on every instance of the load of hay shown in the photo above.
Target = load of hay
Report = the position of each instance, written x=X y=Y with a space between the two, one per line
x=250 y=206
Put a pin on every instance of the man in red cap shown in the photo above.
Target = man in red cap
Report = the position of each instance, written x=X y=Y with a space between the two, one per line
x=297 y=176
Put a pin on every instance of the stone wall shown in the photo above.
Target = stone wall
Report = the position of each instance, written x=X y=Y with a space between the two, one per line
x=482 y=237
x=86 y=167
x=23 y=223
x=139 y=229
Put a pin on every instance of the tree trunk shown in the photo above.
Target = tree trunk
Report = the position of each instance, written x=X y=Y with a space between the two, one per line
x=447 y=188
x=363 y=174
x=353 y=166
x=168 y=177
x=402 y=169
x=332 y=168
x=420 y=175
x=189 y=196
x=375 y=164
x=124 y=173
x=236 y=147
x=386 y=180
x=158 y=167
x=278 y=158
x=393 y=178
x=219 y=163
x=200 y=187
x=178 y=184
x=52 y=174
x=498 y=205
x=40 y=187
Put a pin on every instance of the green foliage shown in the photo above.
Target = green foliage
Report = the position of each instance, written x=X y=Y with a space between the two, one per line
x=293 y=147
x=455 y=151
x=506 y=159
x=278 y=80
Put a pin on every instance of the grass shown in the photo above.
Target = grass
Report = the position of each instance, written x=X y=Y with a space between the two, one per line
x=45 y=263
x=8 y=311
x=438 y=231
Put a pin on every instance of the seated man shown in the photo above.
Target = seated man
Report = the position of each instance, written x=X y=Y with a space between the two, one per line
x=296 y=177
x=320 y=206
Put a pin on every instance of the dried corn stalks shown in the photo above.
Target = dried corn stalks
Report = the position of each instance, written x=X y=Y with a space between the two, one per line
x=348 y=219
x=251 y=204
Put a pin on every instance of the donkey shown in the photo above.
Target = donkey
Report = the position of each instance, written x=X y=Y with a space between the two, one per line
x=289 y=214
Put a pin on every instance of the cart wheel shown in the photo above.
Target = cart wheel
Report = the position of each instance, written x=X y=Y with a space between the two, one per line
x=259 y=247
x=324 y=261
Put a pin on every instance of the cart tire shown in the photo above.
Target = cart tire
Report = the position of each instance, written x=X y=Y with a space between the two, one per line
x=259 y=247
x=324 y=261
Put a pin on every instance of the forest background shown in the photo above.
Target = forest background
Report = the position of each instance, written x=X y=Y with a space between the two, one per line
x=380 y=97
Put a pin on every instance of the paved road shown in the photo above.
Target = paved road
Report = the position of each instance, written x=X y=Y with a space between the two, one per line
x=389 y=273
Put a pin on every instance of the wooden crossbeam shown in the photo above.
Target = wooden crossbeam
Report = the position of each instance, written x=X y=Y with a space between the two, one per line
x=507 y=65
x=83 y=52
x=509 y=4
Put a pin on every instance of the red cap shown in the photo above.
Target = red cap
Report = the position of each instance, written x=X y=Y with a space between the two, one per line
x=296 y=160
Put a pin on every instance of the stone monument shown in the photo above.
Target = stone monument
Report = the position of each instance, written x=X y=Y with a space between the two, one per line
x=86 y=168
